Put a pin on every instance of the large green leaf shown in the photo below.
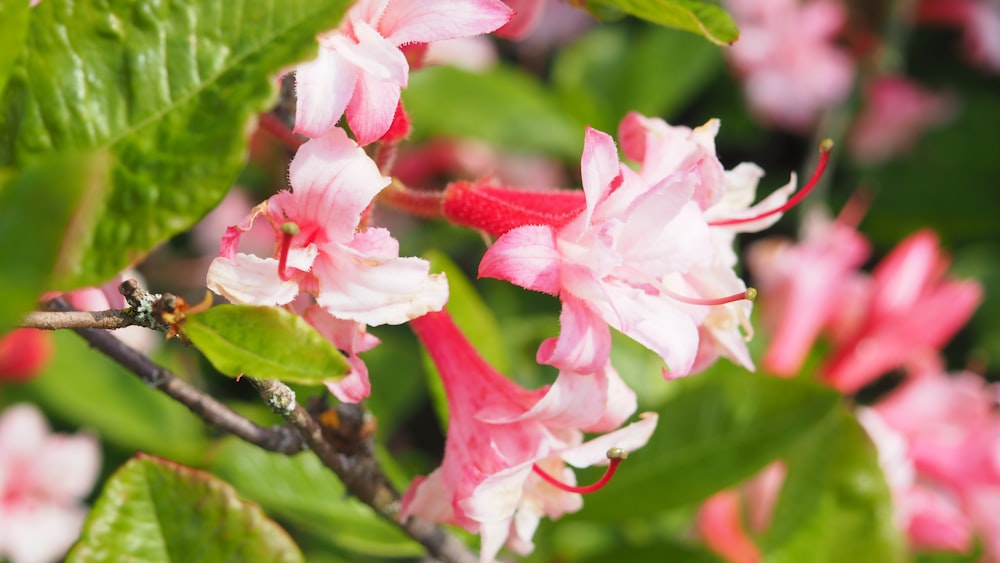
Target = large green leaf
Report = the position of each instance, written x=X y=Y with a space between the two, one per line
x=504 y=106
x=44 y=210
x=717 y=429
x=169 y=88
x=704 y=18
x=615 y=69
x=154 y=510
x=13 y=30
x=835 y=504
x=265 y=342
x=303 y=491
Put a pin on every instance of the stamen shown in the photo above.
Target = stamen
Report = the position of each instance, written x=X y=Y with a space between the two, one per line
x=288 y=230
x=750 y=294
x=616 y=455
x=825 y=146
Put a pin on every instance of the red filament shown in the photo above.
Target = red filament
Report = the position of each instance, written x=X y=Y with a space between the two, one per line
x=824 y=157
x=616 y=455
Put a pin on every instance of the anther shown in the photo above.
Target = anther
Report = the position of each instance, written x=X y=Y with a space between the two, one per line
x=825 y=146
x=616 y=455
x=749 y=295
x=288 y=230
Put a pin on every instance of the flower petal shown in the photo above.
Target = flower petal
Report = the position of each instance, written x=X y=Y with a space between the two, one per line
x=333 y=182
x=423 y=21
x=250 y=280
x=584 y=341
x=323 y=88
x=629 y=438
x=525 y=256
x=375 y=288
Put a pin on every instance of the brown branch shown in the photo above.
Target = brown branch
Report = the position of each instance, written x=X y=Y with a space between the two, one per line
x=281 y=439
x=344 y=444
x=55 y=320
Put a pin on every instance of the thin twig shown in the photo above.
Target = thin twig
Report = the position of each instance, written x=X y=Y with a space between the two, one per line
x=55 y=320
x=282 y=439
x=353 y=460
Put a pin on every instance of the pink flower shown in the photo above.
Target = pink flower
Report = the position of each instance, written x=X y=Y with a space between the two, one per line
x=912 y=311
x=353 y=274
x=951 y=431
x=896 y=113
x=805 y=285
x=726 y=198
x=500 y=436
x=786 y=55
x=43 y=477
x=621 y=262
x=980 y=22
x=362 y=67
x=728 y=519
x=351 y=338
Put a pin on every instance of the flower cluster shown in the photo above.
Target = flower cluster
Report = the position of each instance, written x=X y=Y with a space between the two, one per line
x=934 y=433
x=647 y=252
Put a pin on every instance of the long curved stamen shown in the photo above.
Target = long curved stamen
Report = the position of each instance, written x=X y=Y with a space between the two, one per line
x=750 y=294
x=288 y=230
x=824 y=157
x=616 y=455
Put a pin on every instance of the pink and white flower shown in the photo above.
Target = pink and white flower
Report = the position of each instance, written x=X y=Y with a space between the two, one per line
x=362 y=65
x=355 y=275
x=501 y=436
x=43 y=477
x=621 y=262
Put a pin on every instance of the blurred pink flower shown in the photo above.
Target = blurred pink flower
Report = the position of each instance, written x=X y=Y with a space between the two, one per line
x=43 y=477
x=353 y=274
x=498 y=433
x=896 y=112
x=728 y=519
x=786 y=55
x=979 y=21
x=951 y=429
x=912 y=311
x=361 y=66
x=24 y=353
x=803 y=286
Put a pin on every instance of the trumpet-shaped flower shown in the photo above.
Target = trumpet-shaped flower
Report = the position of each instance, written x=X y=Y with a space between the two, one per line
x=353 y=274
x=501 y=438
x=43 y=477
x=361 y=66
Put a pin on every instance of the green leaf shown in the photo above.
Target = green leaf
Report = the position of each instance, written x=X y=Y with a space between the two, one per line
x=302 y=491
x=835 y=504
x=615 y=69
x=706 y=19
x=169 y=89
x=46 y=209
x=504 y=106
x=476 y=322
x=719 y=428
x=265 y=342
x=13 y=30
x=155 y=510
